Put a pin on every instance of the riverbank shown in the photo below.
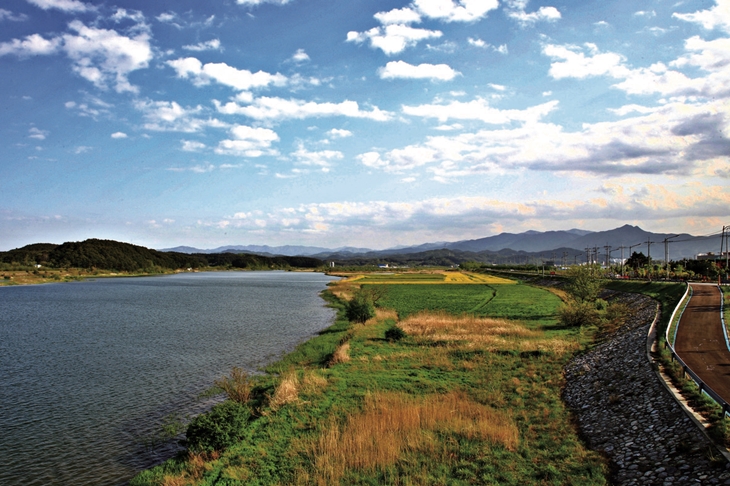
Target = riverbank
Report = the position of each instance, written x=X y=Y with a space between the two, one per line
x=485 y=394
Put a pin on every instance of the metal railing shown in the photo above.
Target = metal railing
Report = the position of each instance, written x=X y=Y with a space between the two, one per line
x=703 y=387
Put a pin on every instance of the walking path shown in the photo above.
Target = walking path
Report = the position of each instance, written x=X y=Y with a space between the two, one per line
x=700 y=340
x=625 y=411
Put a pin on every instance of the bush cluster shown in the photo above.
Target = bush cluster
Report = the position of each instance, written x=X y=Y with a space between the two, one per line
x=218 y=429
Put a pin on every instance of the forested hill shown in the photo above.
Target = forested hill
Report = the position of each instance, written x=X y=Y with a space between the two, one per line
x=124 y=257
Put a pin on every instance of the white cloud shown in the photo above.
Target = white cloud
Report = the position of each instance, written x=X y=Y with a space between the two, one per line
x=248 y=142
x=479 y=109
x=169 y=116
x=645 y=13
x=322 y=159
x=398 y=16
x=119 y=135
x=477 y=43
x=192 y=145
x=502 y=49
x=37 y=133
x=65 y=5
x=515 y=9
x=8 y=15
x=277 y=109
x=82 y=149
x=211 y=45
x=571 y=62
x=104 y=56
x=455 y=11
x=713 y=57
x=240 y=79
x=32 y=45
x=393 y=38
x=300 y=56
x=671 y=139
x=254 y=3
x=403 y=70
x=339 y=133
x=716 y=17
x=167 y=17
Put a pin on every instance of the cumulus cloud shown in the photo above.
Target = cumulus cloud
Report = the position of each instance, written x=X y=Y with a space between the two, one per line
x=712 y=57
x=37 y=133
x=118 y=135
x=254 y=3
x=403 y=70
x=300 y=56
x=515 y=9
x=239 y=79
x=248 y=141
x=322 y=159
x=716 y=17
x=398 y=16
x=479 y=109
x=32 y=45
x=393 y=38
x=65 y=5
x=277 y=109
x=339 y=133
x=170 y=116
x=211 y=45
x=192 y=145
x=671 y=139
x=455 y=11
x=101 y=56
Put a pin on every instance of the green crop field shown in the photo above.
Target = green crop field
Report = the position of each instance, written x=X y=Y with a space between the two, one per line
x=522 y=302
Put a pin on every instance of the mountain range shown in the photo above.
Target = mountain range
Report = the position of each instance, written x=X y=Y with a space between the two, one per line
x=547 y=245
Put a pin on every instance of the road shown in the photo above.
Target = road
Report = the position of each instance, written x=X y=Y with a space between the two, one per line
x=700 y=341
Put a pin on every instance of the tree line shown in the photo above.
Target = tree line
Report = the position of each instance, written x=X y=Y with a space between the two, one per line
x=125 y=257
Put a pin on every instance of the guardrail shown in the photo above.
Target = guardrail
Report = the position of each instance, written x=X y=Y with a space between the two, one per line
x=704 y=388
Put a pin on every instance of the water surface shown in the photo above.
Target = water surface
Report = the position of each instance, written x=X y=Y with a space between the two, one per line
x=90 y=369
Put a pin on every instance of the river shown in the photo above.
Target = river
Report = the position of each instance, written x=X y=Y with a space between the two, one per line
x=90 y=370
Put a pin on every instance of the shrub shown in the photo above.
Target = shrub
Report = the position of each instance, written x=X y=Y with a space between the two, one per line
x=218 y=429
x=394 y=333
x=576 y=314
x=360 y=308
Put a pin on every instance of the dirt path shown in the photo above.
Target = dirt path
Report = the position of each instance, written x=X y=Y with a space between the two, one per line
x=700 y=341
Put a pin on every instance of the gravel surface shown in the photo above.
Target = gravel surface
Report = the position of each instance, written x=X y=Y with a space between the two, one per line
x=624 y=411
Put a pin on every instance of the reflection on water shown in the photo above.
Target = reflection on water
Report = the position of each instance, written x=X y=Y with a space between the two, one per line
x=91 y=369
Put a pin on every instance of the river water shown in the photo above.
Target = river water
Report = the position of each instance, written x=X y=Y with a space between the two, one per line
x=90 y=370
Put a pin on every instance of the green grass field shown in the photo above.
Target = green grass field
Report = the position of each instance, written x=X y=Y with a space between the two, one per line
x=415 y=411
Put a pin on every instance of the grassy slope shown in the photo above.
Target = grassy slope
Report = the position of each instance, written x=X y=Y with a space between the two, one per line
x=289 y=445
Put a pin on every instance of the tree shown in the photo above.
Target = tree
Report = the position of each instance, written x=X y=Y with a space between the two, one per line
x=637 y=260
x=361 y=307
x=582 y=285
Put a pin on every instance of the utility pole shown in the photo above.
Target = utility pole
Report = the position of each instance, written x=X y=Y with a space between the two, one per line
x=608 y=255
x=666 y=255
x=588 y=256
x=648 y=249
x=622 y=258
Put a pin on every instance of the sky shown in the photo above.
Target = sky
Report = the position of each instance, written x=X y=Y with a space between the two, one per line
x=372 y=124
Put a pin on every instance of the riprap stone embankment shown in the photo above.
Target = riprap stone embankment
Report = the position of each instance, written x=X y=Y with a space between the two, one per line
x=624 y=411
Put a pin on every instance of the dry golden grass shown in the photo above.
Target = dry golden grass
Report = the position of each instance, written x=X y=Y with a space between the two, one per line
x=442 y=326
x=341 y=354
x=286 y=392
x=384 y=314
x=392 y=424
x=313 y=382
x=237 y=385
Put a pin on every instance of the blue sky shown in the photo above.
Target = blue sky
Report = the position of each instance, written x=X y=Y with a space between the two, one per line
x=365 y=123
